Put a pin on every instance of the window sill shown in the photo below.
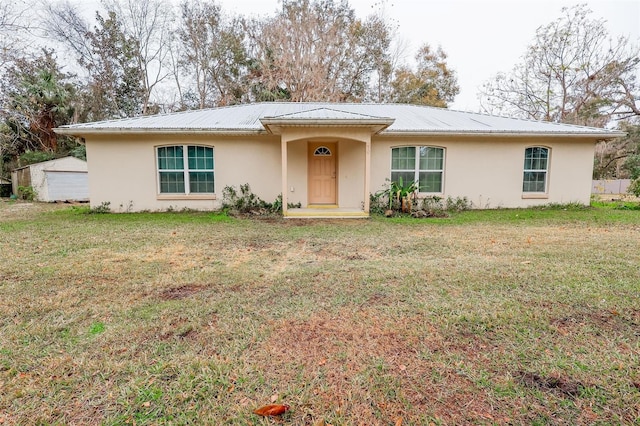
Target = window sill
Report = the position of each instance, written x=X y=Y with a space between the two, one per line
x=186 y=197
x=535 y=196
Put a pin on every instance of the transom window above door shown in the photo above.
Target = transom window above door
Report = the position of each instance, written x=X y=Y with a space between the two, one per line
x=322 y=151
x=422 y=164
x=182 y=164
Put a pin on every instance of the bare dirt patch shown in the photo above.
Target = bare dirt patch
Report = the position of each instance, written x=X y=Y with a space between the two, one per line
x=181 y=292
x=560 y=385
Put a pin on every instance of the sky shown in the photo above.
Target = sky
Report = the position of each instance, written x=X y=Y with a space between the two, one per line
x=481 y=37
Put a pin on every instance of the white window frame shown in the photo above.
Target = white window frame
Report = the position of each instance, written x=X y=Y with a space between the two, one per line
x=545 y=171
x=416 y=169
x=186 y=170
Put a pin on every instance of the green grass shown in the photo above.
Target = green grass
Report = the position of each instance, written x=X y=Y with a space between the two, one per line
x=527 y=316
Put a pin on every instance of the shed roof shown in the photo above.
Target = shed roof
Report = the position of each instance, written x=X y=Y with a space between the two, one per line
x=44 y=164
x=406 y=120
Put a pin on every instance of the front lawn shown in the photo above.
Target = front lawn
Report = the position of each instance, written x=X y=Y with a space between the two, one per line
x=485 y=317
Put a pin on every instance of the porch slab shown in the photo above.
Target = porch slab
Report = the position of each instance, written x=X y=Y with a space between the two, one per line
x=325 y=213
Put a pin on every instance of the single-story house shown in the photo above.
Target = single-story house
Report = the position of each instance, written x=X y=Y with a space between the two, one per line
x=331 y=156
x=62 y=179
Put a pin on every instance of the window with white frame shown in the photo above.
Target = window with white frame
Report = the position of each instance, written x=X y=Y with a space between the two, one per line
x=536 y=162
x=185 y=169
x=422 y=164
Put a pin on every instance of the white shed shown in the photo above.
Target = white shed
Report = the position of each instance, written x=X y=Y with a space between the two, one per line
x=62 y=179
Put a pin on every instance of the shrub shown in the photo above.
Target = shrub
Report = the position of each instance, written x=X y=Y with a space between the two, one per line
x=103 y=208
x=27 y=193
x=634 y=188
x=32 y=157
x=458 y=204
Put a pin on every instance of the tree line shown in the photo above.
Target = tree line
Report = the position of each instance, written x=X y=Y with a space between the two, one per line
x=139 y=57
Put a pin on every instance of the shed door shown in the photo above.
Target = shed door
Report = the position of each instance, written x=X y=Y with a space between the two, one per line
x=322 y=173
x=67 y=185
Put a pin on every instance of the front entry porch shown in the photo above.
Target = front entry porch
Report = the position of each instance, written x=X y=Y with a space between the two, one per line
x=326 y=161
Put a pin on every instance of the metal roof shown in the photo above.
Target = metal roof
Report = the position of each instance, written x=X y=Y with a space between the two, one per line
x=406 y=120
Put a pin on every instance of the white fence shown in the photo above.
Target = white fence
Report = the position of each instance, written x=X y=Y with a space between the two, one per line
x=610 y=186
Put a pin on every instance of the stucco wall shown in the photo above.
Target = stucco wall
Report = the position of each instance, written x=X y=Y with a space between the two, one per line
x=489 y=171
x=351 y=174
x=123 y=171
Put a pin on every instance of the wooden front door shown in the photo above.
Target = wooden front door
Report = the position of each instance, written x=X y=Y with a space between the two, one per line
x=322 y=173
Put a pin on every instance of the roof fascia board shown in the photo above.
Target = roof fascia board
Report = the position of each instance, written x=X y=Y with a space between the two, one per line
x=276 y=124
x=140 y=131
x=608 y=135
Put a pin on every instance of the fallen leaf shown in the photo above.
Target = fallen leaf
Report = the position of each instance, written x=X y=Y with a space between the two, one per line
x=146 y=404
x=399 y=421
x=402 y=367
x=322 y=362
x=272 y=410
x=274 y=397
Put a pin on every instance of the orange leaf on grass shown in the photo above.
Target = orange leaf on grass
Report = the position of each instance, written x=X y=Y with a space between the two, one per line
x=272 y=410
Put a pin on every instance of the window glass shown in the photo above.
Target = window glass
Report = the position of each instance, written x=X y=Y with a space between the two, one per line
x=422 y=164
x=198 y=171
x=171 y=182
x=535 y=169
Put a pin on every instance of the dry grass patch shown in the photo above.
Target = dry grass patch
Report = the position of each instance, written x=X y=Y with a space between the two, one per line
x=362 y=366
x=523 y=317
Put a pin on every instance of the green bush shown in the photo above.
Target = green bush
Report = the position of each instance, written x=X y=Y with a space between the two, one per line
x=27 y=193
x=32 y=157
x=103 y=208
x=634 y=188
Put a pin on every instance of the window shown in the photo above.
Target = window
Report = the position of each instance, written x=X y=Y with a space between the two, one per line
x=322 y=151
x=175 y=171
x=422 y=164
x=536 y=160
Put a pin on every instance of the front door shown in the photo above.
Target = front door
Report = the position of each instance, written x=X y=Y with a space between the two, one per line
x=322 y=173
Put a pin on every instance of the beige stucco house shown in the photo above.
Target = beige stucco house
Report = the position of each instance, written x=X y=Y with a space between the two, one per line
x=331 y=156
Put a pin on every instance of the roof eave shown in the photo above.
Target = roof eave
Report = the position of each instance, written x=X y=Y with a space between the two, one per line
x=607 y=135
x=275 y=125
x=177 y=131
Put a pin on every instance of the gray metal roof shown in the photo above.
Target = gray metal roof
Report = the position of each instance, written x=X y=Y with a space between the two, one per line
x=407 y=120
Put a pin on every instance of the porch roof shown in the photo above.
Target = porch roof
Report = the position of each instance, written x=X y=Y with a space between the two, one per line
x=405 y=120
x=326 y=117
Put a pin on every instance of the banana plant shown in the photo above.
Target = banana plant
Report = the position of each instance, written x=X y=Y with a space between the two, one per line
x=403 y=194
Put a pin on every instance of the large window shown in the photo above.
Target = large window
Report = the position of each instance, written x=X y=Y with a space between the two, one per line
x=536 y=161
x=185 y=169
x=422 y=164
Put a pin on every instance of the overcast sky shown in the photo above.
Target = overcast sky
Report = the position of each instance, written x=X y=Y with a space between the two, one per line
x=481 y=37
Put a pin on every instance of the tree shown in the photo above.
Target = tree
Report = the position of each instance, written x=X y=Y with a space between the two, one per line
x=433 y=83
x=115 y=85
x=148 y=24
x=314 y=50
x=212 y=55
x=115 y=88
x=37 y=97
x=619 y=158
x=573 y=72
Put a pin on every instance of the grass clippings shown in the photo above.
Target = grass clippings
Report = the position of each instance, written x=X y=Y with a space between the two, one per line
x=485 y=317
